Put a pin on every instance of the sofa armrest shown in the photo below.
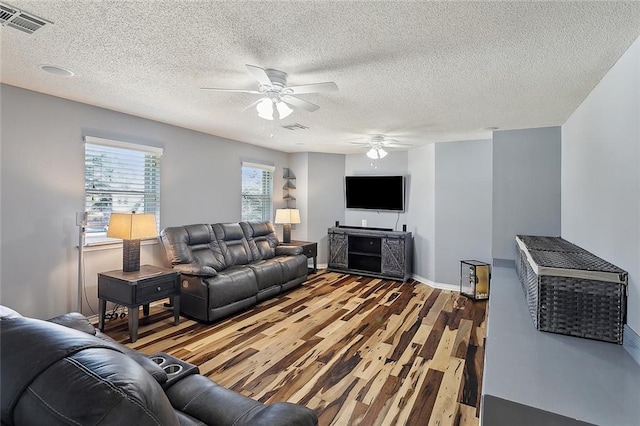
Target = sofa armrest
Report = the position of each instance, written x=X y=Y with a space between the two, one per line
x=285 y=250
x=195 y=269
x=282 y=414
x=212 y=404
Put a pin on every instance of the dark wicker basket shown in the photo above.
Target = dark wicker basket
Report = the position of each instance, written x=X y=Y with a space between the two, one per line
x=570 y=290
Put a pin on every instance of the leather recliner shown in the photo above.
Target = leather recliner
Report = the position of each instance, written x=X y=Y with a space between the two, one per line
x=65 y=372
x=226 y=267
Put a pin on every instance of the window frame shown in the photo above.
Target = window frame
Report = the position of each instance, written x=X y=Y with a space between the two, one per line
x=265 y=168
x=100 y=237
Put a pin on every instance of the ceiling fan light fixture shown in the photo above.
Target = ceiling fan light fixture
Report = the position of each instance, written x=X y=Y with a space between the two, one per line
x=265 y=109
x=283 y=109
x=376 y=153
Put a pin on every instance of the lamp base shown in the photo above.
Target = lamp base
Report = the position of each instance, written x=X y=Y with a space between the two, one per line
x=286 y=233
x=130 y=255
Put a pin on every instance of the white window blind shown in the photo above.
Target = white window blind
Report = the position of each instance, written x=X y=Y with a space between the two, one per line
x=257 y=192
x=119 y=177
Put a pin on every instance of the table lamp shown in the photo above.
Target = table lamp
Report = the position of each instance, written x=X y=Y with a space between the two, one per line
x=286 y=217
x=131 y=227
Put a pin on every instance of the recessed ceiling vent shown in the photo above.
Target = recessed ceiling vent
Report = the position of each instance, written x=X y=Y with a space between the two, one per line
x=296 y=126
x=23 y=21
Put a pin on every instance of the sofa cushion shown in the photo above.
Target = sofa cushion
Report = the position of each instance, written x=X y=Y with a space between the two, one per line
x=193 y=245
x=292 y=267
x=262 y=239
x=268 y=273
x=233 y=284
x=233 y=243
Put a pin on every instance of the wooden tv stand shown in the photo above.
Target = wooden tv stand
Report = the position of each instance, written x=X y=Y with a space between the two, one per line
x=371 y=252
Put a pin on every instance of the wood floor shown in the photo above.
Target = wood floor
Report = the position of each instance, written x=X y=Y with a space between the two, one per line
x=358 y=351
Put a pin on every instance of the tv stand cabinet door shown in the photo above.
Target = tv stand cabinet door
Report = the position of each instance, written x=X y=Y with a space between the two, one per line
x=393 y=257
x=338 y=250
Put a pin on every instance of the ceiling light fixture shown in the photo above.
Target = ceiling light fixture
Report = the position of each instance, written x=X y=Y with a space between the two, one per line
x=376 y=153
x=265 y=109
x=52 y=69
x=268 y=106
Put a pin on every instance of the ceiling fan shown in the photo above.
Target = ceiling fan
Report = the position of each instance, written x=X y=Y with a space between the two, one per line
x=277 y=98
x=376 y=145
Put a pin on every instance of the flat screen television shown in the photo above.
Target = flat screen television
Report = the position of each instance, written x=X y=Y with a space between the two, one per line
x=375 y=193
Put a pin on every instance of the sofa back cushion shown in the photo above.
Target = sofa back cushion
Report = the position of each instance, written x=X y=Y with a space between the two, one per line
x=262 y=239
x=232 y=242
x=195 y=245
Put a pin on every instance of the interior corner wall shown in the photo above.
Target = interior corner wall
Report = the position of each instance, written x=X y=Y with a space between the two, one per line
x=463 y=186
x=326 y=199
x=299 y=167
x=601 y=173
x=319 y=197
x=526 y=186
x=421 y=214
x=42 y=166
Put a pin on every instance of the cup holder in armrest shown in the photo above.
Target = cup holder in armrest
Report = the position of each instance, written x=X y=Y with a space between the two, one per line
x=172 y=369
x=158 y=359
x=175 y=368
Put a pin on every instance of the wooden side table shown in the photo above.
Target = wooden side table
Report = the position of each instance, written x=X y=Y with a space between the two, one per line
x=309 y=249
x=133 y=289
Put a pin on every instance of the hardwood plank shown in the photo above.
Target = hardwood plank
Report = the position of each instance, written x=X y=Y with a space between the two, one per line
x=445 y=408
x=428 y=394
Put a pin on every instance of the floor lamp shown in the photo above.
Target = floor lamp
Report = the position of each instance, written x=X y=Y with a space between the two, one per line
x=81 y=222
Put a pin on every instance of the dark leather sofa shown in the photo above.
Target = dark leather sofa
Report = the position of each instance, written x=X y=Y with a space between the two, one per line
x=65 y=372
x=226 y=267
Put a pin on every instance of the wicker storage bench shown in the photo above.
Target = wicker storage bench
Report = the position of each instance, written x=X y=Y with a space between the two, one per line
x=570 y=290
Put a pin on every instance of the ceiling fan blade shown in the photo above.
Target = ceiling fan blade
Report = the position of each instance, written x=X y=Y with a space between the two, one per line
x=395 y=144
x=252 y=104
x=230 y=90
x=299 y=103
x=260 y=75
x=329 y=86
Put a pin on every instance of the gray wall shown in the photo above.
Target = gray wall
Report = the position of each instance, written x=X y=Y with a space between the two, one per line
x=463 y=173
x=42 y=169
x=319 y=196
x=326 y=200
x=526 y=186
x=421 y=217
x=601 y=173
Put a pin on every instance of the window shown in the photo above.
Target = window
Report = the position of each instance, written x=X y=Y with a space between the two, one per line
x=120 y=177
x=257 y=192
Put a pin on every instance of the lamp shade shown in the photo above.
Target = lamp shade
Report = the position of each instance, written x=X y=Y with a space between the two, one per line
x=287 y=216
x=132 y=226
x=376 y=153
x=268 y=106
x=265 y=109
x=283 y=110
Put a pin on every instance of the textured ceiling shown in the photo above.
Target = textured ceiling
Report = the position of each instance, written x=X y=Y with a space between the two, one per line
x=418 y=72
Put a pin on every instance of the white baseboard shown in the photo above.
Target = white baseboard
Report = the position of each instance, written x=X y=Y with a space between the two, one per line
x=441 y=286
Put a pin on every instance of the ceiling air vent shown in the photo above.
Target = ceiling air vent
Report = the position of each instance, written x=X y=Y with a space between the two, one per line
x=296 y=126
x=23 y=21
